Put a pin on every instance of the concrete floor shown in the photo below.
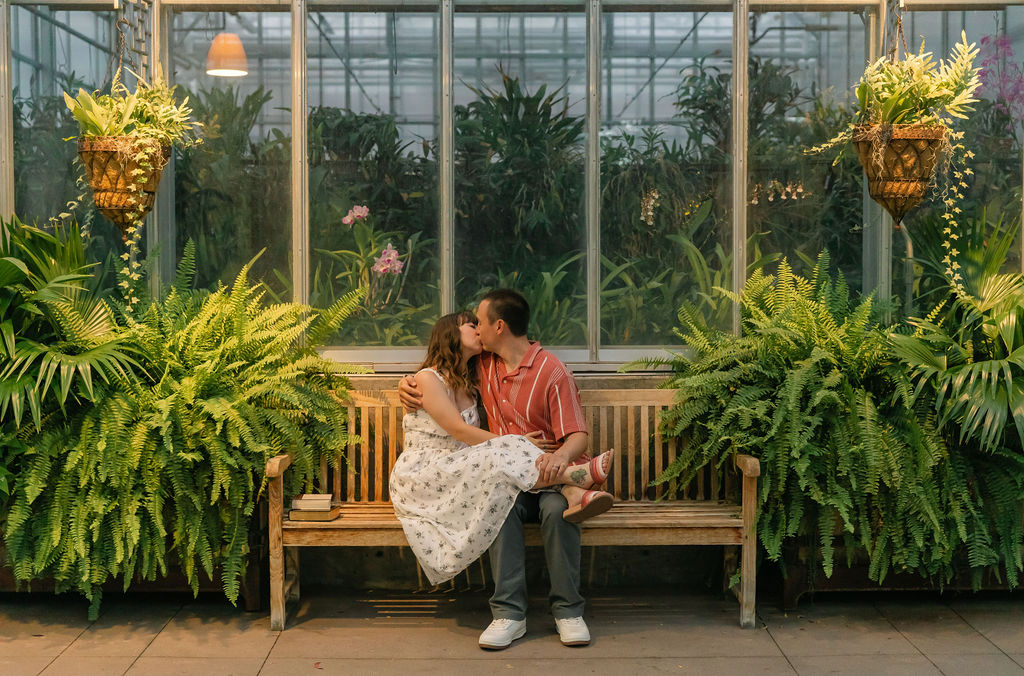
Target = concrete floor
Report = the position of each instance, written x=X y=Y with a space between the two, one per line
x=647 y=632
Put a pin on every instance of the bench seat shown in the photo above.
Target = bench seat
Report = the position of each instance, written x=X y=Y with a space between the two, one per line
x=679 y=522
x=706 y=512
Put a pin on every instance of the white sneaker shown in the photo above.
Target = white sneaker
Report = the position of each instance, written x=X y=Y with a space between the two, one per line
x=573 y=631
x=500 y=633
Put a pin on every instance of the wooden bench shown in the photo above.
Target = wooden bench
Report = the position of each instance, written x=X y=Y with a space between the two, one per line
x=626 y=420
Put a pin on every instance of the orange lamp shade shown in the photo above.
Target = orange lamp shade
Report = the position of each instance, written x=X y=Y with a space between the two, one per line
x=226 y=57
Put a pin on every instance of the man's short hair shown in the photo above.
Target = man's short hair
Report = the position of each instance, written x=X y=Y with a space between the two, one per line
x=509 y=306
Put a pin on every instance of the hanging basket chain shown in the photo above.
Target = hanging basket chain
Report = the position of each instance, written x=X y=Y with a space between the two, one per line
x=118 y=54
x=897 y=37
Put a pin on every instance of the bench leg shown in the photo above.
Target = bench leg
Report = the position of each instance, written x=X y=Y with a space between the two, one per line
x=291 y=557
x=748 y=556
x=275 y=517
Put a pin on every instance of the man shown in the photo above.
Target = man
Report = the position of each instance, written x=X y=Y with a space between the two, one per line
x=526 y=389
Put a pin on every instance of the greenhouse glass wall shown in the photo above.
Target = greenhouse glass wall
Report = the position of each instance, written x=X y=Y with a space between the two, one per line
x=608 y=159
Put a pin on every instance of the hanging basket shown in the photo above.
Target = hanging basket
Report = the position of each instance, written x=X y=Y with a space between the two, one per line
x=110 y=167
x=899 y=161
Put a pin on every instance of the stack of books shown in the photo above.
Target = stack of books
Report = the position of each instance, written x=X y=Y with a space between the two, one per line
x=313 y=507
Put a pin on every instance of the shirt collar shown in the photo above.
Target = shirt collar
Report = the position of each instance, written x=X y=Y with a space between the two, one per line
x=530 y=356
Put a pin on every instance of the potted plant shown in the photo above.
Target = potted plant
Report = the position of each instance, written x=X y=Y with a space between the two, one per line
x=125 y=142
x=906 y=109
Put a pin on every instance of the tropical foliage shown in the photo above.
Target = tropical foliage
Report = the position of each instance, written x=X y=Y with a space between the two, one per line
x=58 y=338
x=155 y=427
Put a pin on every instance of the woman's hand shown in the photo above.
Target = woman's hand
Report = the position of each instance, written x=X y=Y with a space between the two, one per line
x=537 y=439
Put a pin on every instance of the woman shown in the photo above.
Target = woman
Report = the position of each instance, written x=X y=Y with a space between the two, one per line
x=455 y=483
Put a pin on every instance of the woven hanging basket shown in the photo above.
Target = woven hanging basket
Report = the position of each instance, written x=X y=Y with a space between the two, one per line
x=899 y=161
x=109 y=166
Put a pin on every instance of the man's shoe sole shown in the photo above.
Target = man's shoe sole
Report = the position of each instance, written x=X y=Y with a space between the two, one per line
x=518 y=636
x=576 y=643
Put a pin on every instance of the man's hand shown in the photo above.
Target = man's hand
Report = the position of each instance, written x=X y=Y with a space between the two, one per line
x=551 y=465
x=410 y=394
x=537 y=439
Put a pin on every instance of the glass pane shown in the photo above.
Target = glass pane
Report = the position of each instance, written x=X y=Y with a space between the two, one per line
x=233 y=192
x=519 y=125
x=803 y=67
x=373 y=96
x=55 y=51
x=993 y=133
x=665 y=172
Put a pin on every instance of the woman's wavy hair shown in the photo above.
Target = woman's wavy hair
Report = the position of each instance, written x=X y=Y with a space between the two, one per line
x=444 y=352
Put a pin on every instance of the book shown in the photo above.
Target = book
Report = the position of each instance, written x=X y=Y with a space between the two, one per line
x=314 y=514
x=313 y=497
x=313 y=502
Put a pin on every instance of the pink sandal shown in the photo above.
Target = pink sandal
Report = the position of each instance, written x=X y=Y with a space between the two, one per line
x=598 y=477
x=592 y=504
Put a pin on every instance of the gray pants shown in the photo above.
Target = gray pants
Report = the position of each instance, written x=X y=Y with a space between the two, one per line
x=561 y=549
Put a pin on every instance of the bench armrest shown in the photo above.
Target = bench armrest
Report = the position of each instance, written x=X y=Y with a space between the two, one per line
x=747 y=464
x=277 y=465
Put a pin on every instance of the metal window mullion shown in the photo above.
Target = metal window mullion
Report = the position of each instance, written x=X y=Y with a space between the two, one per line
x=877 y=250
x=592 y=178
x=6 y=114
x=161 y=235
x=446 y=150
x=299 y=156
x=740 y=50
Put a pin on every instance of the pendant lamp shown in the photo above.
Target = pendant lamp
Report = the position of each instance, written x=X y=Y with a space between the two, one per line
x=226 y=57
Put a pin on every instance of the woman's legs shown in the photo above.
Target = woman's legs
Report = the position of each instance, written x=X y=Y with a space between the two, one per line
x=590 y=475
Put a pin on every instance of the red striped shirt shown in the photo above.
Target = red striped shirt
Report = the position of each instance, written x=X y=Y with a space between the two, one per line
x=540 y=394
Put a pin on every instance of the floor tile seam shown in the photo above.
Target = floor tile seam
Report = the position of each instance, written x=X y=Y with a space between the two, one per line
x=602 y=656
x=906 y=638
x=775 y=641
x=497 y=659
x=801 y=654
x=154 y=637
x=270 y=652
x=70 y=643
x=980 y=633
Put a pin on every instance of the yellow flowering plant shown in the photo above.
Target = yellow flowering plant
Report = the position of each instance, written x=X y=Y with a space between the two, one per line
x=915 y=98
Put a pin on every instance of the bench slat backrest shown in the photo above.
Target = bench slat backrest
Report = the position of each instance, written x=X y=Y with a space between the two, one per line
x=623 y=419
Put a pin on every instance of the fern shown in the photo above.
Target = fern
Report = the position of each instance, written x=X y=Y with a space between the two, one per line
x=856 y=449
x=163 y=465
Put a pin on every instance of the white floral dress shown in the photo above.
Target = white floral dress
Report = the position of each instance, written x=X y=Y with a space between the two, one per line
x=452 y=498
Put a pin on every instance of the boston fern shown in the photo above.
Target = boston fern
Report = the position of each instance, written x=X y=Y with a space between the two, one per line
x=847 y=455
x=165 y=468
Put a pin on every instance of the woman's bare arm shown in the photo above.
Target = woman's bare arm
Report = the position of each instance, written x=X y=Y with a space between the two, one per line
x=444 y=411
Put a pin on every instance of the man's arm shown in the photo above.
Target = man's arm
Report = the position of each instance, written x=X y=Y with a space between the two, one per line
x=410 y=394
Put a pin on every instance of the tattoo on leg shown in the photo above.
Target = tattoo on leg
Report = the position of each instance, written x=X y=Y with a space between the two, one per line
x=578 y=476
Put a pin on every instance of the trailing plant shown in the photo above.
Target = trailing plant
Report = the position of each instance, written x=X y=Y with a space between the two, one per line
x=150 y=112
x=133 y=133
x=166 y=466
x=914 y=89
